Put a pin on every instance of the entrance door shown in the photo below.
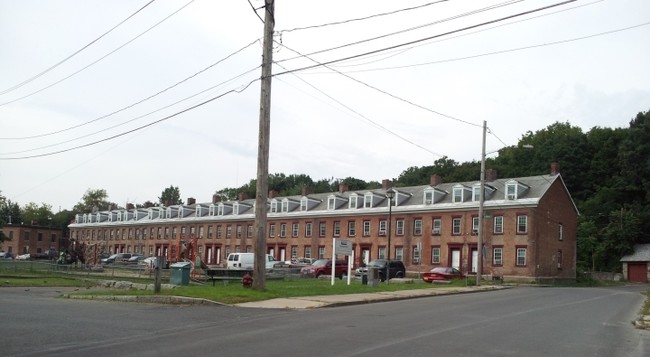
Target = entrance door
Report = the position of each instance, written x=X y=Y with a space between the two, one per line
x=365 y=255
x=474 y=260
x=455 y=258
x=208 y=255
x=637 y=272
x=283 y=254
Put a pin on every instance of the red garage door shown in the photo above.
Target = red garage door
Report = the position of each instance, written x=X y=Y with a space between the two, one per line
x=637 y=272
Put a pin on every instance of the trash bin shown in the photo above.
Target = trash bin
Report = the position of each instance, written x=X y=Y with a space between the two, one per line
x=373 y=276
x=364 y=278
x=180 y=273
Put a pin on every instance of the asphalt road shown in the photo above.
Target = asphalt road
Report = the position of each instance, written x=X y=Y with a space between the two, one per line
x=520 y=321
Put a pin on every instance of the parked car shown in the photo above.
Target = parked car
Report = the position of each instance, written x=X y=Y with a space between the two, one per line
x=23 y=256
x=295 y=263
x=324 y=267
x=397 y=269
x=135 y=259
x=149 y=262
x=442 y=273
x=8 y=255
x=117 y=258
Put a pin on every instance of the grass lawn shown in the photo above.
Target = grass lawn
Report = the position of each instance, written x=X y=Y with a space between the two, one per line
x=231 y=292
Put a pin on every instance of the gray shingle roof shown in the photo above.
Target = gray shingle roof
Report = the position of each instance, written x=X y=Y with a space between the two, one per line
x=641 y=254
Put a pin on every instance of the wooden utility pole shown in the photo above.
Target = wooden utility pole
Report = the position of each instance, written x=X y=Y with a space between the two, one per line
x=262 y=189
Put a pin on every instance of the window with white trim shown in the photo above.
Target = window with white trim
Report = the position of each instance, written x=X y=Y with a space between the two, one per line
x=367 y=200
x=274 y=206
x=304 y=204
x=272 y=230
x=295 y=229
x=382 y=227
x=353 y=201
x=399 y=253
x=366 y=228
x=436 y=226
x=322 y=229
x=294 y=251
x=455 y=226
x=308 y=252
x=283 y=230
x=497 y=256
x=352 y=228
x=511 y=191
x=476 y=193
x=498 y=224
x=308 y=229
x=331 y=203
x=416 y=255
x=428 y=197
x=521 y=257
x=337 y=229
x=457 y=195
x=285 y=206
x=399 y=227
x=381 y=253
x=417 y=226
x=475 y=222
x=321 y=252
x=522 y=224
x=435 y=255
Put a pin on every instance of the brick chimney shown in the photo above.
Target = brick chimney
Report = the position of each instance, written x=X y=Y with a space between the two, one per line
x=216 y=198
x=386 y=184
x=273 y=194
x=191 y=201
x=436 y=180
x=242 y=196
x=490 y=175
x=130 y=206
x=343 y=187
x=555 y=168
x=306 y=190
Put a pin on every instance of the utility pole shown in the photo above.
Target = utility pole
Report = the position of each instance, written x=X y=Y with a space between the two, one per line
x=262 y=188
x=481 y=200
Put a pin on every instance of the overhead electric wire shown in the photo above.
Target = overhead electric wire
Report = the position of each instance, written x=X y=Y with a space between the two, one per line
x=422 y=39
x=137 y=128
x=98 y=60
x=473 y=12
x=28 y=80
x=138 y=102
x=132 y=119
x=362 y=18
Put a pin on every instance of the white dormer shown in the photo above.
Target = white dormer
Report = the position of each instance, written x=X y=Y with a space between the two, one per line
x=289 y=205
x=334 y=202
x=184 y=211
x=201 y=210
x=212 y=210
x=371 y=199
x=239 y=208
x=307 y=203
x=476 y=192
x=153 y=212
x=433 y=195
x=171 y=213
x=101 y=216
x=275 y=205
x=355 y=201
x=400 y=197
x=515 y=190
x=138 y=214
x=112 y=216
x=79 y=218
x=223 y=209
x=461 y=193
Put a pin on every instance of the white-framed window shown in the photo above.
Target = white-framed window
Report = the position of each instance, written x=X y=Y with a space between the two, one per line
x=457 y=195
x=381 y=253
x=416 y=255
x=295 y=229
x=337 y=229
x=321 y=252
x=352 y=228
x=304 y=204
x=294 y=251
x=249 y=232
x=476 y=193
x=399 y=227
x=367 y=200
x=274 y=206
x=560 y=232
x=497 y=256
x=399 y=253
x=353 y=201
x=498 y=224
x=307 y=252
x=308 y=229
x=417 y=226
x=366 y=228
x=239 y=231
x=219 y=232
x=475 y=222
x=272 y=230
x=331 y=203
x=511 y=191
x=428 y=197
x=285 y=206
x=322 y=229
x=382 y=227
x=283 y=230
x=436 y=226
x=522 y=223
x=456 y=226
x=228 y=231
x=435 y=255
x=521 y=256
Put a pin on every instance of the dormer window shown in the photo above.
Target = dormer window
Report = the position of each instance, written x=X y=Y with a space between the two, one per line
x=515 y=190
x=334 y=202
x=331 y=203
x=239 y=208
x=428 y=197
x=289 y=205
x=354 y=201
x=476 y=192
x=223 y=209
x=303 y=204
x=307 y=203
x=274 y=206
x=285 y=206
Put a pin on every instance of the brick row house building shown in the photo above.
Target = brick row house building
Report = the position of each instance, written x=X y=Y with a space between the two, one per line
x=30 y=239
x=530 y=226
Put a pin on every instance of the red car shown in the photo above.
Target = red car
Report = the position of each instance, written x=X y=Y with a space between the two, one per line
x=440 y=273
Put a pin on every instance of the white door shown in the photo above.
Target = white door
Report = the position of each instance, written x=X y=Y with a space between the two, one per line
x=474 y=260
x=283 y=254
x=455 y=258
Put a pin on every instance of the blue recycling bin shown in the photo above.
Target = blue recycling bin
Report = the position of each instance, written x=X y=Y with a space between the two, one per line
x=180 y=273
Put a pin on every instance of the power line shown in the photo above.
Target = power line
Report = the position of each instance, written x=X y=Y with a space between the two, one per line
x=98 y=60
x=140 y=101
x=423 y=39
x=362 y=18
x=28 y=80
x=507 y=3
x=135 y=129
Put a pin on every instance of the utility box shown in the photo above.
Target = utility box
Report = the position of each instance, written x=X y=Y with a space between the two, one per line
x=180 y=273
x=373 y=276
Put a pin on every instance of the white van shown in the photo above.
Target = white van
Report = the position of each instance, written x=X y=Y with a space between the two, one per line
x=246 y=261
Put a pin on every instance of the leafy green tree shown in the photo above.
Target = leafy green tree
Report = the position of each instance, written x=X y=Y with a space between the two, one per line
x=9 y=211
x=94 y=200
x=170 y=196
x=39 y=215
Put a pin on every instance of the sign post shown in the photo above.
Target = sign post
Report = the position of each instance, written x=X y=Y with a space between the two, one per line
x=343 y=247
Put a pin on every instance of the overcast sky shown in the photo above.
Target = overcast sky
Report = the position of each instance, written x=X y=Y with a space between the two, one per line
x=396 y=92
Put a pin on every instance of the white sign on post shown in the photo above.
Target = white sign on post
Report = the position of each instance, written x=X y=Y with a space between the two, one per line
x=343 y=247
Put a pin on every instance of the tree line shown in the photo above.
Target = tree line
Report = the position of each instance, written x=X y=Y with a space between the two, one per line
x=607 y=172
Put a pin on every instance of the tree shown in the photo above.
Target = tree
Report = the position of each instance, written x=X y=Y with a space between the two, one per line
x=170 y=196
x=39 y=215
x=94 y=200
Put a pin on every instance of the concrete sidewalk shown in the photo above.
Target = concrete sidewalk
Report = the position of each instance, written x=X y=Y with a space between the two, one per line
x=312 y=302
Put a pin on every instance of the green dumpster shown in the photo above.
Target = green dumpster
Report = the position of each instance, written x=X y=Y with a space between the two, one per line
x=180 y=273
